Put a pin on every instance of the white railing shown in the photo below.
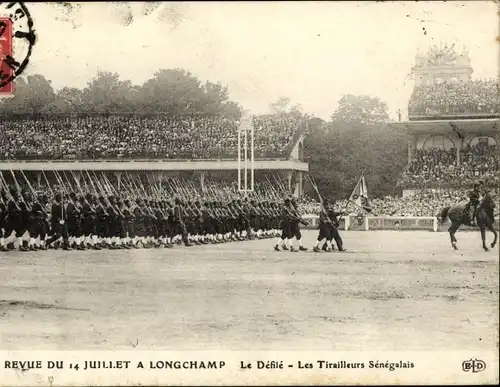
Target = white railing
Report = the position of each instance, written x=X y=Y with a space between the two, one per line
x=367 y=223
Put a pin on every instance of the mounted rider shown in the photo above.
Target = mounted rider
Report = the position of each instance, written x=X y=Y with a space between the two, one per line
x=474 y=198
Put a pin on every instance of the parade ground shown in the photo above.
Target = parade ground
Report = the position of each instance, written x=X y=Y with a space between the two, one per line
x=390 y=291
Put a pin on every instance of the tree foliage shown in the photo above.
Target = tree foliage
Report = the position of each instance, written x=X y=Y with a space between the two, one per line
x=33 y=94
x=356 y=140
x=360 y=109
x=170 y=91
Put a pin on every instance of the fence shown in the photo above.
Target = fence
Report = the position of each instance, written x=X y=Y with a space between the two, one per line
x=367 y=223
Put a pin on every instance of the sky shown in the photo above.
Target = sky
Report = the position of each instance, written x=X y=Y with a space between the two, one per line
x=312 y=52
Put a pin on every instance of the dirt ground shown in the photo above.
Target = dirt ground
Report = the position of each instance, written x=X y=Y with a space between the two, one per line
x=390 y=291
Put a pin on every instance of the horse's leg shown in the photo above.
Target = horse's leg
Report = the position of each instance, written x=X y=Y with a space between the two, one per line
x=491 y=227
x=483 y=237
x=452 y=230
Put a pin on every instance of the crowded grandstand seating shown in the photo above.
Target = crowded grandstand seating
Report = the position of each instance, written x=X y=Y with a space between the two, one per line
x=129 y=137
x=438 y=167
x=455 y=98
x=422 y=203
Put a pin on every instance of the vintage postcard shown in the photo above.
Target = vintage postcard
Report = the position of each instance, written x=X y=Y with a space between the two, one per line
x=249 y=193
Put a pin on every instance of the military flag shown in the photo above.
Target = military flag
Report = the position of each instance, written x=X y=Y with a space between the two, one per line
x=359 y=195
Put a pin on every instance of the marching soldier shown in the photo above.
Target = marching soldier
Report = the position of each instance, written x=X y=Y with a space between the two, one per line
x=334 y=226
x=58 y=223
x=295 y=221
x=325 y=227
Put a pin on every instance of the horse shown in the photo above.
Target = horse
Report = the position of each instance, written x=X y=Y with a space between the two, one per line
x=459 y=214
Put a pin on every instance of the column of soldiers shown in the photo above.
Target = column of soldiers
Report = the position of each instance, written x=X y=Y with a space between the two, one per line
x=88 y=220
x=39 y=221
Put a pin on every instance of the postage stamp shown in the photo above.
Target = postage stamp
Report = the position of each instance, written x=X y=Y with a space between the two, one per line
x=6 y=72
x=17 y=38
x=249 y=193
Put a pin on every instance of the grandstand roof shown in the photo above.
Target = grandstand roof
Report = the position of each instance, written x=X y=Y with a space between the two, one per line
x=483 y=126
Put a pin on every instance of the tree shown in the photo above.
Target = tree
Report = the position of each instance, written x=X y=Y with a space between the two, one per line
x=357 y=139
x=176 y=92
x=280 y=106
x=68 y=100
x=33 y=95
x=106 y=93
x=360 y=109
x=217 y=101
x=231 y=109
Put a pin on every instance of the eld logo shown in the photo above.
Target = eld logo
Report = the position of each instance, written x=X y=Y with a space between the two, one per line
x=473 y=365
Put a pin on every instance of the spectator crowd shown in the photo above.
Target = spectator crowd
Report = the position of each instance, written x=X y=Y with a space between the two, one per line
x=439 y=167
x=129 y=137
x=455 y=98
x=421 y=203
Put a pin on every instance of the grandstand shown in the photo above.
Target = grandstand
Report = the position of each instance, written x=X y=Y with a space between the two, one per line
x=200 y=146
x=453 y=126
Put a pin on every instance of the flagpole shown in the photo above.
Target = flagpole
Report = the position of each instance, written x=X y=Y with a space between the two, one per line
x=349 y=200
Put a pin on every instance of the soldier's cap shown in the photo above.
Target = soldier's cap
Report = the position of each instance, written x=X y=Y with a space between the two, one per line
x=326 y=201
x=287 y=201
x=72 y=195
x=58 y=196
x=88 y=196
x=101 y=198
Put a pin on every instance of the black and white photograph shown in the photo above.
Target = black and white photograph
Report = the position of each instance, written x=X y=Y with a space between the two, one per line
x=249 y=193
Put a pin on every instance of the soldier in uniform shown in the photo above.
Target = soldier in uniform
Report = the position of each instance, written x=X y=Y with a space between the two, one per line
x=3 y=214
x=128 y=214
x=286 y=218
x=24 y=220
x=101 y=222
x=334 y=226
x=325 y=227
x=37 y=228
x=179 y=214
x=296 y=220
x=11 y=220
x=58 y=223
x=74 y=221
x=89 y=218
